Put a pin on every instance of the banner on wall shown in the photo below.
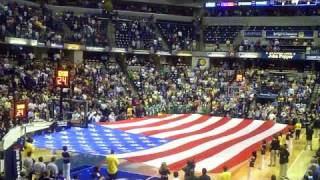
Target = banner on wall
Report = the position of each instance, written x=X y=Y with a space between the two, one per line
x=252 y=34
x=283 y=55
x=289 y=34
x=313 y=57
x=202 y=62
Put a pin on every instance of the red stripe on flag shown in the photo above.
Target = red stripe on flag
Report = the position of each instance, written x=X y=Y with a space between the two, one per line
x=190 y=145
x=156 y=123
x=183 y=126
x=200 y=131
x=212 y=151
x=243 y=156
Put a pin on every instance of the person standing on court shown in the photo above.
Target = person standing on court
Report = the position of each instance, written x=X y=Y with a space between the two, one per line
x=204 y=175
x=263 y=153
x=284 y=160
x=52 y=168
x=252 y=161
x=28 y=147
x=225 y=175
x=274 y=149
x=164 y=171
x=309 y=134
x=28 y=163
x=66 y=163
x=297 y=128
x=112 y=163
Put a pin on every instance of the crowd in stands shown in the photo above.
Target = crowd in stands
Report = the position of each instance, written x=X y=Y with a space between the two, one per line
x=41 y=24
x=137 y=34
x=102 y=86
x=216 y=90
x=260 y=94
x=179 y=36
x=30 y=23
x=87 y=29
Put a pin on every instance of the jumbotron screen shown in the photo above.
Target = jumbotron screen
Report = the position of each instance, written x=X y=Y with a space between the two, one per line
x=232 y=3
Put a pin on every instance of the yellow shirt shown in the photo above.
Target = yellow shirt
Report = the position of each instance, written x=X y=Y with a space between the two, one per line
x=298 y=126
x=129 y=111
x=28 y=147
x=225 y=176
x=282 y=140
x=113 y=163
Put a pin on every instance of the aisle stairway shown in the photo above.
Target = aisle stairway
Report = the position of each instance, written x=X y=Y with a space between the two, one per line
x=121 y=60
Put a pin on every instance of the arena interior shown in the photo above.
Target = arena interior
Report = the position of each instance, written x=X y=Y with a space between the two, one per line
x=159 y=89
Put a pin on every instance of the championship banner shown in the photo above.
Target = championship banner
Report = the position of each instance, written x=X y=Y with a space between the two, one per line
x=289 y=34
x=201 y=62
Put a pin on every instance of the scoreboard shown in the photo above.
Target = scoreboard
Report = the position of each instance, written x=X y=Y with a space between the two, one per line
x=276 y=3
x=20 y=109
x=62 y=78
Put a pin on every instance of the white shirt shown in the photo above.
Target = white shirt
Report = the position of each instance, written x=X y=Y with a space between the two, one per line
x=39 y=167
x=52 y=168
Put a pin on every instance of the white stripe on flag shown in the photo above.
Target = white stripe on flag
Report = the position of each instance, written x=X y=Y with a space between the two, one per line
x=179 y=142
x=225 y=155
x=176 y=123
x=205 y=146
x=193 y=128
x=142 y=122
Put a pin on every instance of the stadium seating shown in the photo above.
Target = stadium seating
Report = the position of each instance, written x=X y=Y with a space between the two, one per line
x=221 y=34
x=178 y=35
x=137 y=34
x=87 y=29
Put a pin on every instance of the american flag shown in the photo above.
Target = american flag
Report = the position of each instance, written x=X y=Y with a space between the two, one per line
x=212 y=142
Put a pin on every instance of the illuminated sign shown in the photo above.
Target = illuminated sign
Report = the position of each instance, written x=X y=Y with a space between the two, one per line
x=72 y=46
x=313 y=57
x=21 y=109
x=280 y=55
x=248 y=55
x=289 y=34
x=210 y=4
x=62 y=78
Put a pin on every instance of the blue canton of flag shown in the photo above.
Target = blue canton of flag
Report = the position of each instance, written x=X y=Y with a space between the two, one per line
x=97 y=139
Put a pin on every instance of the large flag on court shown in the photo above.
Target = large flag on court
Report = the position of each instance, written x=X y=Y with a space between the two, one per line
x=212 y=142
